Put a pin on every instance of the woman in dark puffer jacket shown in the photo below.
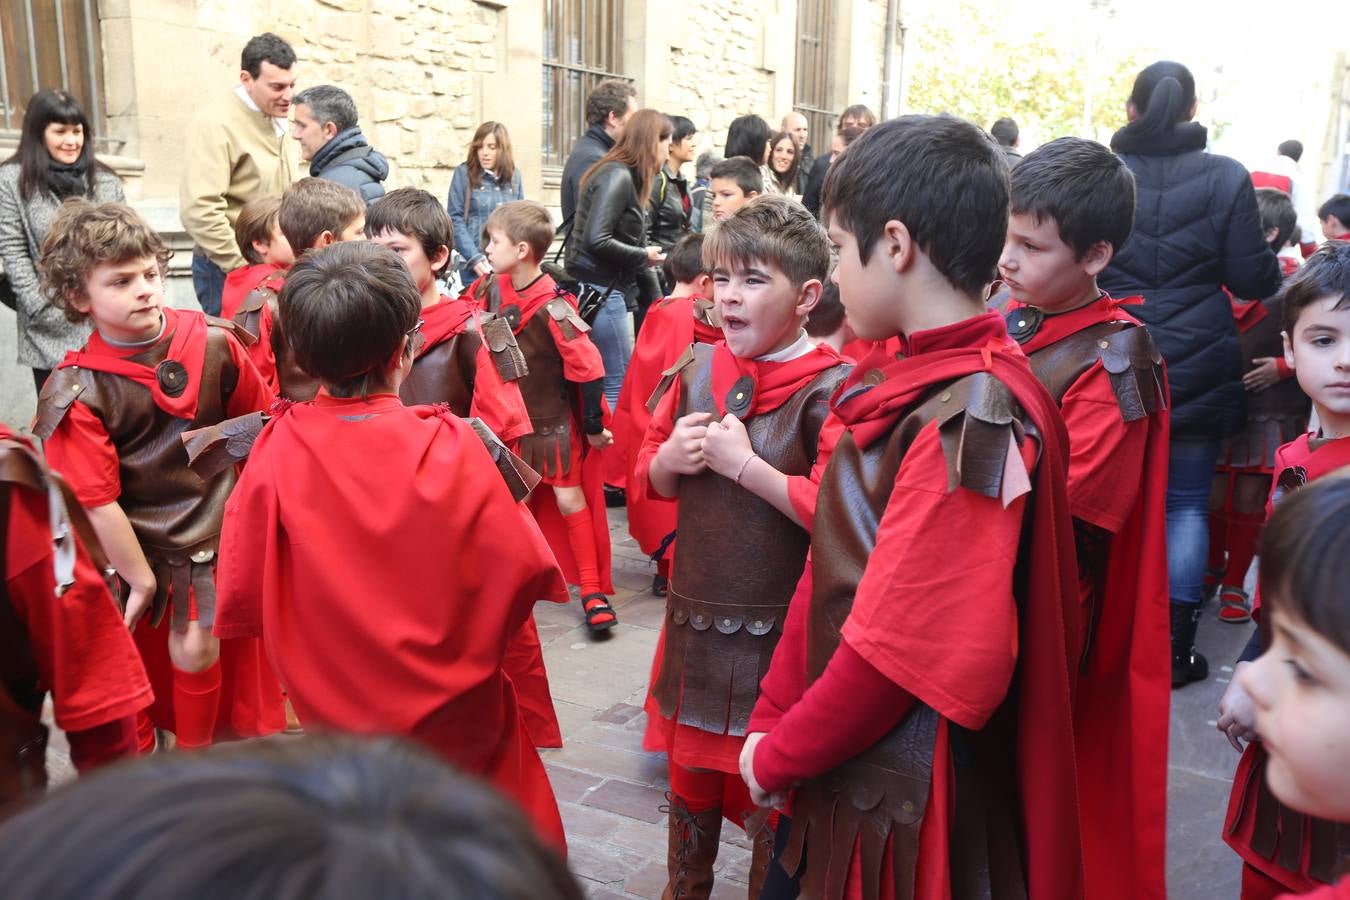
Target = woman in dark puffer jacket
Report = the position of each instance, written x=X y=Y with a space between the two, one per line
x=1196 y=231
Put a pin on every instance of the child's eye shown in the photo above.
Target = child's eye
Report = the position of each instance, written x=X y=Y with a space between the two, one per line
x=1027 y=246
x=1301 y=675
x=1322 y=341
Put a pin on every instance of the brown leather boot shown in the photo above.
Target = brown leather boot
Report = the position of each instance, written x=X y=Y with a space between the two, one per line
x=694 y=838
x=761 y=854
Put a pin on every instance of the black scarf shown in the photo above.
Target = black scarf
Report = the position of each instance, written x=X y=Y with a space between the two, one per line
x=1183 y=138
x=68 y=180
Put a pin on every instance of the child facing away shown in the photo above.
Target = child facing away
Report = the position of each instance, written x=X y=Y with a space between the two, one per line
x=917 y=707
x=258 y=233
x=314 y=213
x=733 y=183
x=111 y=418
x=362 y=580
x=1277 y=413
x=1072 y=208
x=563 y=391
x=1335 y=217
x=686 y=317
x=1299 y=688
x=733 y=437
x=1283 y=849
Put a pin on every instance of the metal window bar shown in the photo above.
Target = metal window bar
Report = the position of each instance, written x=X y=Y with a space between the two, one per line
x=51 y=44
x=582 y=44
x=814 y=75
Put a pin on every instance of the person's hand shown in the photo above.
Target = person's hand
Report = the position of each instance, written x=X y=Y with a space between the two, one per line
x=682 y=453
x=1237 y=713
x=1263 y=373
x=655 y=256
x=482 y=267
x=727 y=447
x=602 y=440
x=758 y=795
x=138 y=603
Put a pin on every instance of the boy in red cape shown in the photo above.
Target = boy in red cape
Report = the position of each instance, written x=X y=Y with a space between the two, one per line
x=386 y=594
x=563 y=393
x=470 y=361
x=734 y=438
x=59 y=631
x=685 y=317
x=111 y=417
x=919 y=706
x=1072 y=207
x=1283 y=849
x=258 y=233
x=314 y=213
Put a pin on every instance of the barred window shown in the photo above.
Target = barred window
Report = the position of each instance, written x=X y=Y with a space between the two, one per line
x=814 y=74
x=50 y=44
x=583 y=42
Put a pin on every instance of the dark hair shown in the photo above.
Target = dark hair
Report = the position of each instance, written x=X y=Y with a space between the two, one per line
x=942 y=177
x=683 y=127
x=344 y=310
x=850 y=133
x=311 y=206
x=706 y=160
x=636 y=149
x=1337 y=205
x=317 y=818
x=684 y=262
x=1082 y=186
x=524 y=221
x=85 y=235
x=505 y=169
x=417 y=214
x=1291 y=149
x=256 y=222
x=775 y=230
x=1162 y=97
x=1305 y=558
x=1277 y=211
x=45 y=108
x=786 y=180
x=748 y=136
x=266 y=47
x=1325 y=274
x=609 y=96
x=828 y=313
x=861 y=113
x=1004 y=131
x=329 y=104
x=748 y=176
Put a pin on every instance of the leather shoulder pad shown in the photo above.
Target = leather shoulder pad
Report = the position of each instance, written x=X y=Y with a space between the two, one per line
x=502 y=347
x=256 y=299
x=668 y=377
x=20 y=464
x=241 y=333
x=519 y=477
x=977 y=434
x=215 y=448
x=705 y=311
x=1134 y=364
x=61 y=390
x=568 y=319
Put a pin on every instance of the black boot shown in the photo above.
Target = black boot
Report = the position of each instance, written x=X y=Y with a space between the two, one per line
x=1187 y=664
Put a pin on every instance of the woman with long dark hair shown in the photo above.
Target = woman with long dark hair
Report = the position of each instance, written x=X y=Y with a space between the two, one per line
x=608 y=250
x=483 y=182
x=54 y=161
x=784 y=165
x=1197 y=231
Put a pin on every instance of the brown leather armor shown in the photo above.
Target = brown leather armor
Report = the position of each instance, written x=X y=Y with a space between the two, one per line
x=444 y=374
x=883 y=792
x=1278 y=832
x=295 y=383
x=738 y=564
x=175 y=514
x=1128 y=354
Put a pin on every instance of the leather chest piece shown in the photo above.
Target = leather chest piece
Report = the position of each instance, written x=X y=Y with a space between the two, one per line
x=511 y=313
x=1024 y=323
x=172 y=377
x=741 y=396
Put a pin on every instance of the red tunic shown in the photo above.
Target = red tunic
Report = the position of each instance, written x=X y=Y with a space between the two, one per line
x=243 y=280
x=1339 y=891
x=81 y=450
x=1118 y=483
x=371 y=587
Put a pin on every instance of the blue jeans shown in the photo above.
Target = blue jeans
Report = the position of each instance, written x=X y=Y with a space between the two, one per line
x=208 y=280
x=1190 y=477
x=612 y=337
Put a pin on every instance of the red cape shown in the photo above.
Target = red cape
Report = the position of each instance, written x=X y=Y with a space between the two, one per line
x=1124 y=694
x=242 y=282
x=332 y=561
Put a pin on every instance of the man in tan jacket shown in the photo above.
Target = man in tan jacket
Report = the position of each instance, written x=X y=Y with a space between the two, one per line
x=237 y=149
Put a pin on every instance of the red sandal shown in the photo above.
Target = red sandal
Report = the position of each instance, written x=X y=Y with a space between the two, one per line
x=1235 y=606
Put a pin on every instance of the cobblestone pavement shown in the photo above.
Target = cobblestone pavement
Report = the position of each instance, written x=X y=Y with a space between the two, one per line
x=610 y=791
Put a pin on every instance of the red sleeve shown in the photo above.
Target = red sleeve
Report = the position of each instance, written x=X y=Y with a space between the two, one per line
x=580 y=356
x=251 y=392
x=81 y=450
x=1106 y=453
x=84 y=653
x=845 y=711
x=1282 y=368
x=937 y=615
x=102 y=744
x=802 y=489
x=249 y=537
x=498 y=403
x=658 y=431
x=785 y=682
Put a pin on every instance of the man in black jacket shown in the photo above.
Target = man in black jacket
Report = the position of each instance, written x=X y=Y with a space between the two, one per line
x=333 y=145
x=608 y=108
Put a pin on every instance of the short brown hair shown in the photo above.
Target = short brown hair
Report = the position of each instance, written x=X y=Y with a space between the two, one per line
x=86 y=235
x=312 y=206
x=415 y=213
x=256 y=222
x=1305 y=558
x=684 y=262
x=775 y=230
x=609 y=96
x=523 y=220
x=344 y=310
x=1325 y=274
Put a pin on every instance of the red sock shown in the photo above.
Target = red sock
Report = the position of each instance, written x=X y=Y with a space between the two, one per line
x=581 y=535
x=663 y=567
x=196 y=700
x=145 y=733
x=1218 y=543
x=700 y=791
x=1243 y=531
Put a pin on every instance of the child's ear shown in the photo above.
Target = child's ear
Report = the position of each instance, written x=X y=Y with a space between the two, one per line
x=77 y=301
x=261 y=247
x=440 y=259
x=898 y=245
x=704 y=284
x=1288 y=349
x=809 y=296
x=323 y=240
x=522 y=251
x=751 y=195
x=1097 y=258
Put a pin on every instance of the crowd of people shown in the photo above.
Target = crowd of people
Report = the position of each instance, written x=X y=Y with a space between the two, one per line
x=933 y=444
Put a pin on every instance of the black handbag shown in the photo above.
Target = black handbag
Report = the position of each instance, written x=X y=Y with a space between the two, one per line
x=590 y=300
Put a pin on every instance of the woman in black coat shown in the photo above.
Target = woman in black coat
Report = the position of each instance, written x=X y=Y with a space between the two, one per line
x=1196 y=231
